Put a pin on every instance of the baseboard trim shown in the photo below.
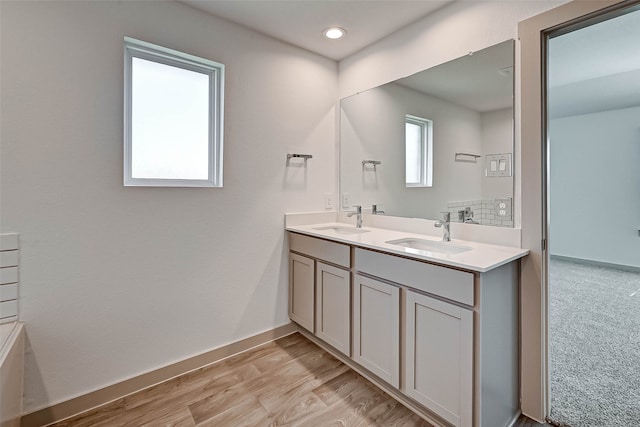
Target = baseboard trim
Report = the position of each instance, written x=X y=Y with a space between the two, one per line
x=624 y=267
x=514 y=420
x=77 y=405
x=536 y=419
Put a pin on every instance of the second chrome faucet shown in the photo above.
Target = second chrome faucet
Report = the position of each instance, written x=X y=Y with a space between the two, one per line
x=357 y=212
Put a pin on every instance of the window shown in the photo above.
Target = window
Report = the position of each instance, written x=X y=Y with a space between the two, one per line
x=173 y=118
x=418 y=151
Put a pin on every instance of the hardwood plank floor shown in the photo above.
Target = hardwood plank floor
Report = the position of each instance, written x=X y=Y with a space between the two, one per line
x=289 y=382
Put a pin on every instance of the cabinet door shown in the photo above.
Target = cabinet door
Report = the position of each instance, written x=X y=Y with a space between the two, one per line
x=439 y=357
x=333 y=298
x=301 y=290
x=376 y=328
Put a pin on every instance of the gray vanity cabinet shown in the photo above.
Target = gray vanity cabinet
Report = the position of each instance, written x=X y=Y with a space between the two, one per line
x=437 y=331
x=442 y=340
x=301 y=290
x=459 y=355
x=376 y=328
x=439 y=357
x=320 y=289
x=333 y=294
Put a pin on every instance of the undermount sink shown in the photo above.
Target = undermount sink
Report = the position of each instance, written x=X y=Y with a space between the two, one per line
x=430 y=245
x=342 y=230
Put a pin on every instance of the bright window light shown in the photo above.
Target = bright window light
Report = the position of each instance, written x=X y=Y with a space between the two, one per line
x=173 y=118
x=418 y=152
x=169 y=122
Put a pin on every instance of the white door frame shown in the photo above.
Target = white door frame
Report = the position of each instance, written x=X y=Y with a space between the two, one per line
x=534 y=275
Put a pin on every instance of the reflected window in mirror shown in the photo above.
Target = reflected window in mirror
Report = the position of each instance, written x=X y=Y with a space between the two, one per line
x=418 y=151
x=469 y=103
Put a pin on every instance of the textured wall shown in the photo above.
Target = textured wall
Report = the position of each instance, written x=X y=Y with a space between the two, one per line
x=119 y=281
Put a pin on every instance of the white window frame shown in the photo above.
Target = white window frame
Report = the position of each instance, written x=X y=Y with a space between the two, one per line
x=139 y=49
x=426 y=151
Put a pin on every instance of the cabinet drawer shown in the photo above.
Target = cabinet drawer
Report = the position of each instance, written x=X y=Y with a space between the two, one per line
x=335 y=253
x=445 y=282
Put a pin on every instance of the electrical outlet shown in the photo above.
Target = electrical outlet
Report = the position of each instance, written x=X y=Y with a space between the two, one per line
x=503 y=208
x=328 y=201
x=346 y=202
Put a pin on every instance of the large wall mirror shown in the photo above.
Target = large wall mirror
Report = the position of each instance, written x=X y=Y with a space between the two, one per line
x=439 y=140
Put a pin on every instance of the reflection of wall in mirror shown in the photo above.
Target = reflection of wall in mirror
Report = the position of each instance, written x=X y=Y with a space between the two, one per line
x=497 y=134
x=372 y=126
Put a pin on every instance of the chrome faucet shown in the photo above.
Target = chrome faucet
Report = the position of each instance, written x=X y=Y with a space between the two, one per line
x=466 y=216
x=444 y=223
x=357 y=212
x=376 y=211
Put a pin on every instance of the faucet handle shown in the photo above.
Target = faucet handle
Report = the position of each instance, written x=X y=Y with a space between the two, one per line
x=375 y=209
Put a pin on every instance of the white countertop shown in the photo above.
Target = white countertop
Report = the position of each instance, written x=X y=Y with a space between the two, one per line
x=481 y=257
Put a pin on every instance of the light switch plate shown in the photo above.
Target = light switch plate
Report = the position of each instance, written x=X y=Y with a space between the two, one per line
x=328 y=201
x=498 y=165
x=346 y=203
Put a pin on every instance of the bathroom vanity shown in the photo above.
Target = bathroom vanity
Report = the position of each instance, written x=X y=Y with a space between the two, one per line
x=433 y=324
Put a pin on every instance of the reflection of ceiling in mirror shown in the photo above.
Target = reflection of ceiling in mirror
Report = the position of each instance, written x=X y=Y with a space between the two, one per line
x=486 y=91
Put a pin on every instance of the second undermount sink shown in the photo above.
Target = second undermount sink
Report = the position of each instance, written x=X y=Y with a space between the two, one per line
x=430 y=245
x=342 y=229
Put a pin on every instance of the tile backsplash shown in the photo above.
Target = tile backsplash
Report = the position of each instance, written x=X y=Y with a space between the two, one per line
x=484 y=212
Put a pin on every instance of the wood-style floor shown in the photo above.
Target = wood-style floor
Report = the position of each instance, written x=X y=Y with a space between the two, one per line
x=289 y=382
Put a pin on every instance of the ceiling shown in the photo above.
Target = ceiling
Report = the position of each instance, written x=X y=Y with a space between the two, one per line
x=596 y=68
x=301 y=22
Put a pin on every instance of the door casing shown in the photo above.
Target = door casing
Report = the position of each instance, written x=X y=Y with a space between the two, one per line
x=532 y=35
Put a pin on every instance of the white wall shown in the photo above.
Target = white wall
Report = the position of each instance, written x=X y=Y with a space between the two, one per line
x=118 y=281
x=372 y=127
x=595 y=186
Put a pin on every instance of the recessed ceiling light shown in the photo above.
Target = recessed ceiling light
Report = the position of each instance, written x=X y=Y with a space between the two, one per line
x=334 y=33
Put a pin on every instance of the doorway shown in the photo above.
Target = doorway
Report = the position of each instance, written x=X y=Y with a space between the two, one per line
x=593 y=220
